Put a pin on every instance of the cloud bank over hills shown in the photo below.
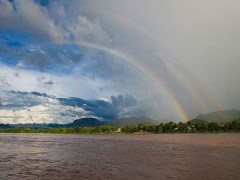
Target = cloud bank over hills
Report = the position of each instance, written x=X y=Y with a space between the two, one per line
x=34 y=107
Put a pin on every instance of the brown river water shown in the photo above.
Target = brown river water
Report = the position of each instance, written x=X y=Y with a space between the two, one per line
x=168 y=156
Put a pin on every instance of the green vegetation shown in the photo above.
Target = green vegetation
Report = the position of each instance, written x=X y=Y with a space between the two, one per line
x=63 y=130
x=194 y=126
x=131 y=121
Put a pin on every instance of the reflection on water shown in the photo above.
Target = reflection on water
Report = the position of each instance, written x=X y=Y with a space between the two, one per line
x=173 y=156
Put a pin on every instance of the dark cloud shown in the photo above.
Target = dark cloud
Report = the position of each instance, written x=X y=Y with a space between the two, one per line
x=104 y=110
x=42 y=2
x=121 y=101
x=99 y=108
x=16 y=100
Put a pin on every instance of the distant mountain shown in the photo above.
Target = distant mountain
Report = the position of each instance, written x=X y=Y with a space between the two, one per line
x=131 y=121
x=5 y=126
x=37 y=126
x=83 y=122
x=86 y=122
x=89 y=122
x=220 y=116
x=193 y=121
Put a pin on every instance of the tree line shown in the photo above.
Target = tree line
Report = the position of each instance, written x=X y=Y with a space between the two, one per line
x=195 y=126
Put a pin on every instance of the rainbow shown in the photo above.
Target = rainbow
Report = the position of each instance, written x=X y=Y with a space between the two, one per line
x=140 y=66
x=177 y=74
x=186 y=85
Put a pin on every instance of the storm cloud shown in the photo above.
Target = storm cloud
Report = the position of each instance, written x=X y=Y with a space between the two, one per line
x=26 y=106
x=178 y=55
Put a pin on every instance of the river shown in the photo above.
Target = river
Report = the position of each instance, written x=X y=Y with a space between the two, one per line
x=164 y=156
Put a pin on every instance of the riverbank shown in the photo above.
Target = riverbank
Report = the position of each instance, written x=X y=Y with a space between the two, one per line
x=198 y=126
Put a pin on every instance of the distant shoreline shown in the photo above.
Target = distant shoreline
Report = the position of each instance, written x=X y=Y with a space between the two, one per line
x=135 y=133
x=193 y=126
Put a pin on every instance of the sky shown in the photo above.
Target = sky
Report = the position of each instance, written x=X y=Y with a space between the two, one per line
x=166 y=59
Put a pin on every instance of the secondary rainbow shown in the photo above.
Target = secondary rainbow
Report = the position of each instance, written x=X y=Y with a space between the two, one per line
x=178 y=75
x=143 y=68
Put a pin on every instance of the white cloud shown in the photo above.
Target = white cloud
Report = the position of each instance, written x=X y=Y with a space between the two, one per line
x=27 y=16
x=83 y=29
x=7 y=17
x=45 y=113
x=36 y=19
x=28 y=108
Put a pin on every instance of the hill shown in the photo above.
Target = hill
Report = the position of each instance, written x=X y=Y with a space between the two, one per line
x=5 y=126
x=86 y=122
x=220 y=116
x=83 y=122
x=131 y=121
x=193 y=121
x=37 y=126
